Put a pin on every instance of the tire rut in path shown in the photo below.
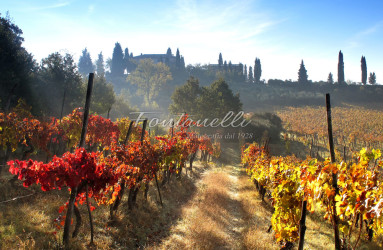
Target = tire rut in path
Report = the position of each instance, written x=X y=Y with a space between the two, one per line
x=237 y=225
x=213 y=219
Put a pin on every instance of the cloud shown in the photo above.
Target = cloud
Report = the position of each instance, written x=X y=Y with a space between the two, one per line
x=357 y=39
x=230 y=16
x=370 y=30
x=90 y=9
x=201 y=29
x=47 y=7
x=206 y=28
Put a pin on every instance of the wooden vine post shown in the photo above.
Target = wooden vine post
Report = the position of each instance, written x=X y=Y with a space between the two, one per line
x=128 y=133
x=158 y=187
x=172 y=128
x=155 y=173
x=334 y=176
x=73 y=193
x=142 y=140
x=166 y=172
x=90 y=215
x=63 y=103
x=143 y=130
x=115 y=205
x=134 y=191
x=302 y=225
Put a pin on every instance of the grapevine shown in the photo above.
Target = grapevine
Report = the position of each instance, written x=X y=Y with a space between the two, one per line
x=291 y=180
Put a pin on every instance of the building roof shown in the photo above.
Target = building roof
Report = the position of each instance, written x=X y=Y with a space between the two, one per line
x=151 y=56
x=234 y=65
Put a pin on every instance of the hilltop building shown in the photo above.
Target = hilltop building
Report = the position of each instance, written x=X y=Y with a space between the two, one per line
x=173 y=61
x=234 y=67
x=164 y=58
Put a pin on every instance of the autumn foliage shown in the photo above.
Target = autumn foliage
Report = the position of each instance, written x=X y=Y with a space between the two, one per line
x=291 y=180
x=107 y=165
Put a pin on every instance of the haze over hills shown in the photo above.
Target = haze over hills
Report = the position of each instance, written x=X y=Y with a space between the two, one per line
x=271 y=54
x=280 y=33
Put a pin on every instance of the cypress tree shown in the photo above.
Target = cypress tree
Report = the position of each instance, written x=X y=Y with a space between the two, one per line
x=126 y=59
x=182 y=62
x=251 y=78
x=178 y=59
x=126 y=53
x=302 y=74
x=220 y=61
x=100 y=68
x=240 y=69
x=257 y=70
x=340 y=68
x=230 y=66
x=225 y=66
x=168 y=55
x=117 y=65
x=330 y=79
x=364 y=70
x=85 y=65
x=169 y=52
x=245 y=73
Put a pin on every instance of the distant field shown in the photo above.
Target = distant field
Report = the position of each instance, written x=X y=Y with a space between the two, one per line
x=352 y=126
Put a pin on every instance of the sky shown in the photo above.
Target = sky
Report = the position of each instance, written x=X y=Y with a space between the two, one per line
x=280 y=33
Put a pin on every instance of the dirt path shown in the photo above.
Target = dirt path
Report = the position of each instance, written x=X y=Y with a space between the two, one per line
x=237 y=225
x=226 y=212
x=213 y=219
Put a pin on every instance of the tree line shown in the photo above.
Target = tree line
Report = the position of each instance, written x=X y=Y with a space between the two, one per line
x=303 y=77
x=55 y=85
x=252 y=74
